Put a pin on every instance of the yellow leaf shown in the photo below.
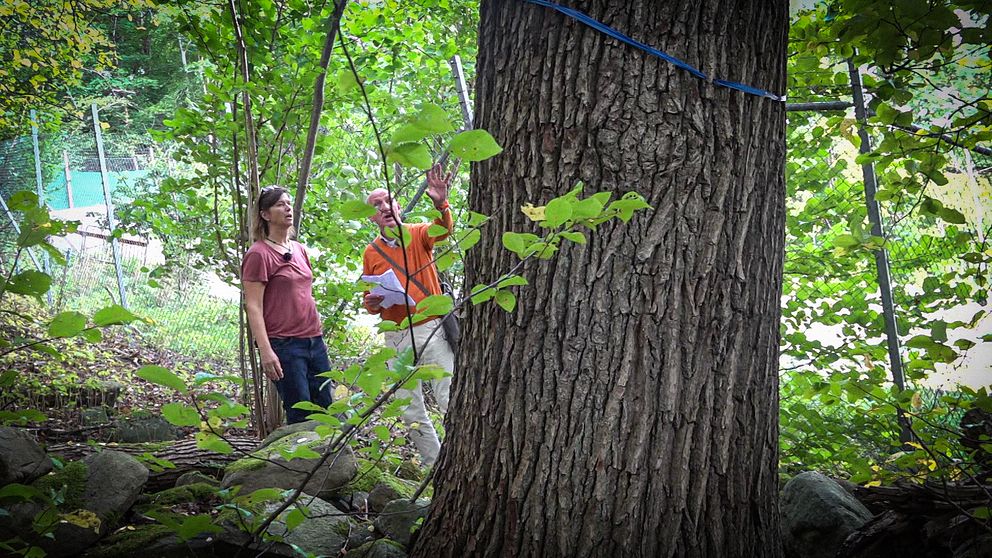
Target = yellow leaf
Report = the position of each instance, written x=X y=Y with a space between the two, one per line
x=83 y=518
x=26 y=62
x=873 y=483
x=533 y=213
x=104 y=125
x=341 y=392
x=917 y=401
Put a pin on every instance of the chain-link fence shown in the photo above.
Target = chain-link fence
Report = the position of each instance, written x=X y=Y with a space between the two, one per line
x=187 y=310
x=17 y=173
x=834 y=312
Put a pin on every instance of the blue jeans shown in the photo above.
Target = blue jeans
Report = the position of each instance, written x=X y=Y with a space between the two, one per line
x=302 y=358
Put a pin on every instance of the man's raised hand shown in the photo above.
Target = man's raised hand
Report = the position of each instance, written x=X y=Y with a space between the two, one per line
x=437 y=185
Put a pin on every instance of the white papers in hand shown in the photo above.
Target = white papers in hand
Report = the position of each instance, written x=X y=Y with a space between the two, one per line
x=388 y=287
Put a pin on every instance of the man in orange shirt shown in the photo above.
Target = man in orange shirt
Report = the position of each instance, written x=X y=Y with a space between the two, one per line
x=385 y=253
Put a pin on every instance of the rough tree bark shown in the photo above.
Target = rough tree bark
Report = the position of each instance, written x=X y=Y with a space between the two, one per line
x=628 y=407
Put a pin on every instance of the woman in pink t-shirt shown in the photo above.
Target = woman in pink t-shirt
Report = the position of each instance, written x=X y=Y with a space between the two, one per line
x=278 y=283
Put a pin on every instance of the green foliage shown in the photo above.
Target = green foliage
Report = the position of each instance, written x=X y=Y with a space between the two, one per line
x=838 y=405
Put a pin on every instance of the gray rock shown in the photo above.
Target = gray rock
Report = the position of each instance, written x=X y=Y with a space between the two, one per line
x=252 y=473
x=21 y=458
x=113 y=480
x=817 y=515
x=381 y=495
x=153 y=541
x=94 y=416
x=399 y=518
x=133 y=430
x=194 y=477
x=286 y=430
x=381 y=548
x=361 y=533
x=324 y=532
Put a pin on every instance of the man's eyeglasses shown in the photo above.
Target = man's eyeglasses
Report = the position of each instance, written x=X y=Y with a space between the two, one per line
x=268 y=189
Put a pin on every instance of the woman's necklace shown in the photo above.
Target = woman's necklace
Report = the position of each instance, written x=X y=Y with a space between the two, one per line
x=286 y=246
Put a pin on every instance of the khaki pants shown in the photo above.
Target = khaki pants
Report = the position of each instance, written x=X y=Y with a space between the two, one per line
x=436 y=351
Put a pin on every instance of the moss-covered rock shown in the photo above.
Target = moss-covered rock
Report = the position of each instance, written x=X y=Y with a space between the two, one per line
x=188 y=494
x=269 y=468
x=371 y=475
x=92 y=496
x=274 y=449
x=69 y=481
x=129 y=542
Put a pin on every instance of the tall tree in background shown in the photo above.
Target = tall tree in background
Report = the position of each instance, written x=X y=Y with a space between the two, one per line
x=628 y=406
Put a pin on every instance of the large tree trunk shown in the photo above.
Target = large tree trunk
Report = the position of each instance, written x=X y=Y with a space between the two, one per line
x=628 y=407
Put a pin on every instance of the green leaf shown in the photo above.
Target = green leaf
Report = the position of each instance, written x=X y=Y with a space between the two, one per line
x=445 y=261
x=557 y=212
x=294 y=518
x=574 y=236
x=309 y=406
x=435 y=305
x=506 y=300
x=408 y=133
x=920 y=342
x=846 y=241
x=964 y=344
x=161 y=376
x=951 y=216
x=212 y=442
x=112 y=315
x=587 y=209
x=180 y=414
x=20 y=492
x=476 y=219
x=382 y=432
x=299 y=452
x=410 y=155
x=345 y=81
x=196 y=525
x=92 y=335
x=357 y=209
x=514 y=242
x=510 y=281
x=626 y=205
x=470 y=239
x=482 y=293
x=474 y=145
x=22 y=200
x=66 y=324
x=22 y=416
x=433 y=119
x=29 y=283
x=436 y=230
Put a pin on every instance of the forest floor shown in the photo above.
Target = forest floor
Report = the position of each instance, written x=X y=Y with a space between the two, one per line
x=62 y=377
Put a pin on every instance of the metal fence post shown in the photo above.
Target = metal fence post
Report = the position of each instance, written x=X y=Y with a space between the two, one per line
x=68 y=178
x=882 y=254
x=45 y=262
x=111 y=225
x=462 y=88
